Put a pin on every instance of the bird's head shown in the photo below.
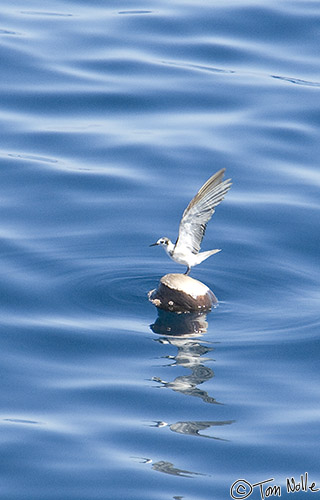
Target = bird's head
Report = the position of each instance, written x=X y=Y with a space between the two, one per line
x=164 y=242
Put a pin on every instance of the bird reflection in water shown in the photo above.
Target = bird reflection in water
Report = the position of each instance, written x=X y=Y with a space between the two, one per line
x=193 y=428
x=182 y=331
x=168 y=468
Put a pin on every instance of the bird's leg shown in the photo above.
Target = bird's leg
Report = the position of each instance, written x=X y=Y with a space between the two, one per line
x=187 y=271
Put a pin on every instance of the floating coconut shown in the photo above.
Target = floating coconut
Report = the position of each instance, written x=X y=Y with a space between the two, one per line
x=180 y=293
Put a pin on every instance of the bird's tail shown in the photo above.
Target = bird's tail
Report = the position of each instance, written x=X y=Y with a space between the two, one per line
x=204 y=255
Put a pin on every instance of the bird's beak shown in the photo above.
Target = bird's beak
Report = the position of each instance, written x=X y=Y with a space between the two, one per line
x=154 y=244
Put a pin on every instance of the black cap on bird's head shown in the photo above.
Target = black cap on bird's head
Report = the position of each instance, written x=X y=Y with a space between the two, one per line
x=161 y=241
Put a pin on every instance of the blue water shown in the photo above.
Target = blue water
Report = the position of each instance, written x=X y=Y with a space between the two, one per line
x=112 y=115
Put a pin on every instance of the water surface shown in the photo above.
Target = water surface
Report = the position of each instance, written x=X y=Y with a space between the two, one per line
x=112 y=115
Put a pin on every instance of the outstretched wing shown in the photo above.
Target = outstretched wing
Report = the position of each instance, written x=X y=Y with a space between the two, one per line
x=199 y=211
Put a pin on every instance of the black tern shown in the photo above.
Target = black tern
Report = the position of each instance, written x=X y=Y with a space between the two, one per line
x=186 y=250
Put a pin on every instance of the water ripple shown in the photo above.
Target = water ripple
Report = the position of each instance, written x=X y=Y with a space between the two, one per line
x=296 y=81
x=40 y=13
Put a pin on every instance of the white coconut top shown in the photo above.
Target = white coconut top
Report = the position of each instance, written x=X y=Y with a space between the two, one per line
x=185 y=284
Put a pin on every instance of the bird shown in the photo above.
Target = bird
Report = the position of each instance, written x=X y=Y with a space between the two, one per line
x=192 y=228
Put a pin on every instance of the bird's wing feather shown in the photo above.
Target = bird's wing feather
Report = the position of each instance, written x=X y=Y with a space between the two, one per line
x=199 y=211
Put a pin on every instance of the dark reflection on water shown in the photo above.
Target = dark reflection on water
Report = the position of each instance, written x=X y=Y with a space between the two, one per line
x=296 y=81
x=20 y=421
x=134 y=12
x=181 y=325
